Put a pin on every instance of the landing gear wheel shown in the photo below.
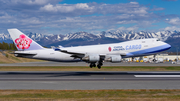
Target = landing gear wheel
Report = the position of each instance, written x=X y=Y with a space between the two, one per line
x=92 y=65
x=99 y=66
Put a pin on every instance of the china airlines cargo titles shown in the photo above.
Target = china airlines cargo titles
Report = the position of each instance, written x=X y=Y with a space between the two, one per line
x=133 y=47
x=127 y=47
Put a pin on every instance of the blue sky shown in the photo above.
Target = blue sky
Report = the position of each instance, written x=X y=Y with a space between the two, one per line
x=93 y=16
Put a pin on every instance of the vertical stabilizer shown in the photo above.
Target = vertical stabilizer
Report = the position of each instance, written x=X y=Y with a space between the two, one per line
x=22 y=41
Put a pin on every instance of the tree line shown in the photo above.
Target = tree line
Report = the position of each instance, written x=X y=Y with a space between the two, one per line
x=7 y=46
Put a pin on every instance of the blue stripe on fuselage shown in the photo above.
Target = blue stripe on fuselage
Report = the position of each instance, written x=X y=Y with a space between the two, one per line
x=149 y=51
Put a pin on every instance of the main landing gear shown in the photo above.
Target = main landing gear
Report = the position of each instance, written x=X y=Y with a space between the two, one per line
x=93 y=64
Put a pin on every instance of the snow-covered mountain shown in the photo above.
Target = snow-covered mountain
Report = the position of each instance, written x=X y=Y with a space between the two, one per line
x=4 y=36
x=162 y=35
x=84 y=38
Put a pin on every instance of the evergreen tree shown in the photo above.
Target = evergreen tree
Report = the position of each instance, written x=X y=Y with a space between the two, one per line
x=6 y=46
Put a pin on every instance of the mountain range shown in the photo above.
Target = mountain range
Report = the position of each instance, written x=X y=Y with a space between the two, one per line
x=84 y=38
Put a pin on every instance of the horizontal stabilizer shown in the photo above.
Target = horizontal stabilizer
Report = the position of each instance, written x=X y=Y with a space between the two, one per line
x=22 y=53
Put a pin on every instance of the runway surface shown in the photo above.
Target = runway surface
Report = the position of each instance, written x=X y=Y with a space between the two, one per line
x=86 y=64
x=89 y=80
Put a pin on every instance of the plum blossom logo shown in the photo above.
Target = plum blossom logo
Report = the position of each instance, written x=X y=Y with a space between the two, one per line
x=23 y=42
x=109 y=49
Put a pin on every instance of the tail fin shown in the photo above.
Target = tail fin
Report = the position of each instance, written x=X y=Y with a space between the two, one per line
x=22 y=41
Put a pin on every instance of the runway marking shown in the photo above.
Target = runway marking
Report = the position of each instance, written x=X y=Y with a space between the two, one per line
x=157 y=75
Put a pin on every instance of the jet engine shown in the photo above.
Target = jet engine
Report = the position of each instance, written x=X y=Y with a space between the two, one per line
x=113 y=58
x=91 y=58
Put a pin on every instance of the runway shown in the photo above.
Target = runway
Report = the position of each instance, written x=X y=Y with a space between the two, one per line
x=48 y=63
x=89 y=80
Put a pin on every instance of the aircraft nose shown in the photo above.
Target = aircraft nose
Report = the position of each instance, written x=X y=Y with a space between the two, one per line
x=168 y=46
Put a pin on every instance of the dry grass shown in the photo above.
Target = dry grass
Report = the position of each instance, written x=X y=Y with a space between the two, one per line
x=10 y=58
x=90 y=95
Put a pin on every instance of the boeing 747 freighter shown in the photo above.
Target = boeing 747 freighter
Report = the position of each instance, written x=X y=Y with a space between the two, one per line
x=93 y=54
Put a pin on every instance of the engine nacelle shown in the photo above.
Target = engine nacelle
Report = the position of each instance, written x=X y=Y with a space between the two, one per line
x=113 y=58
x=91 y=58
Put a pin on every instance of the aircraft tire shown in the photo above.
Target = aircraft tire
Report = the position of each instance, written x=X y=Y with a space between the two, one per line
x=90 y=65
x=99 y=67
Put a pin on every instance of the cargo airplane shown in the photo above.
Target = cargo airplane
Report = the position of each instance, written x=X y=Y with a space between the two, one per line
x=95 y=55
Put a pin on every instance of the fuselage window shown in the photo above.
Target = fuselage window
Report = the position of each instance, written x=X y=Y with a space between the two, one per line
x=143 y=41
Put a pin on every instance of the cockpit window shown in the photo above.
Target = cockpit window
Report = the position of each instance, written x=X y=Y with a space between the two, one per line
x=158 y=40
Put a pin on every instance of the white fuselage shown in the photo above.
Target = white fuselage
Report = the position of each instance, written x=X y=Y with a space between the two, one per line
x=125 y=49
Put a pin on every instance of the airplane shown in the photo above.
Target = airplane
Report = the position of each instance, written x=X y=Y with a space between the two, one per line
x=95 y=55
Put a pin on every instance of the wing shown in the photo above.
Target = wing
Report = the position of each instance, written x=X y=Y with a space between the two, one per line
x=73 y=54
x=82 y=54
